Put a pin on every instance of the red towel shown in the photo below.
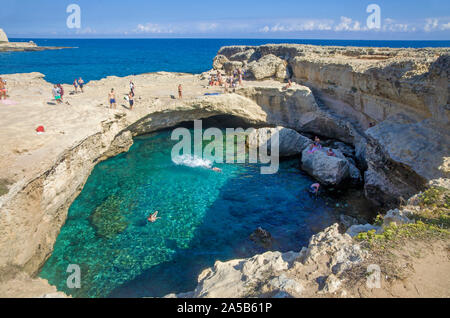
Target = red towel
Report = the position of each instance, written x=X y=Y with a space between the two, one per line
x=40 y=129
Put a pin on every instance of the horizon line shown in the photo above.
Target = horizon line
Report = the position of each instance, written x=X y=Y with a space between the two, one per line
x=219 y=38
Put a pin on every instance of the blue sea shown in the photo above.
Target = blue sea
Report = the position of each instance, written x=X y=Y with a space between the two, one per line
x=94 y=59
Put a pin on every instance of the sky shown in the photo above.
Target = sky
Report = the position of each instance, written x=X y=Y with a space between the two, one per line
x=283 y=19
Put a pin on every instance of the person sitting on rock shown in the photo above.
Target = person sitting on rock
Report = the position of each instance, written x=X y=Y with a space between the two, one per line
x=313 y=148
x=2 y=89
x=331 y=153
x=317 y=142
x=289 y=85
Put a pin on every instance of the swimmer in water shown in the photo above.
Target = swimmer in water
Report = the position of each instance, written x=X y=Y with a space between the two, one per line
x=152 y=218
x=315 y=188
x=216 y=169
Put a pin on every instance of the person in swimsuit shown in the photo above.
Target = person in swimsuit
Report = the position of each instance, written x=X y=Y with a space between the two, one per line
x=81 y=83
x=61 y=92
x=131 y=99
x=2 y=88
x=180 y=91
x=331 y=153
x=75 y=84
x=314 y=189
x=112 y=99
x=317 y=142
x=56 y=94
x=216 y=169
x=152 y=218
x=132 y=87
x=289 y=85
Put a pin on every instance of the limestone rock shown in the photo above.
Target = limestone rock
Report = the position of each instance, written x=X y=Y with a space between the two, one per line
x=338 y=251
x=267 y=67
x=326 y=169
x=356 y=229
x=219 y=61
x=287 y=285
x=243 y=56
x=290 y=142
x=230 y=67
x=397 y=216
x=235 y=279
x=3 y=37
x=332 y=284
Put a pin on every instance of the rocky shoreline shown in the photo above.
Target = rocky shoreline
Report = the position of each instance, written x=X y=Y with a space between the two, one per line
x=6 y=46
x=342 y=90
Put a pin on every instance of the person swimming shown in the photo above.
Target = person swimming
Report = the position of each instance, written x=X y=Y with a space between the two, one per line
x=216 y=169
x=314 y=189
x=152 y=218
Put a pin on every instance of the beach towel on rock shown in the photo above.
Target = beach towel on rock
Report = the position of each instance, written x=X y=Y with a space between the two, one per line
x=8 y=102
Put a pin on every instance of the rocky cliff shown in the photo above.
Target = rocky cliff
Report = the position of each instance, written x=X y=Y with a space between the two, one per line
x=403 y=93
x=3 y=37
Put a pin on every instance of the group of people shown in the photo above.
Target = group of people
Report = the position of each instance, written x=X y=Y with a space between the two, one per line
x=129 y=97
x=2 y=88
x=78 y=83
x=231 y=82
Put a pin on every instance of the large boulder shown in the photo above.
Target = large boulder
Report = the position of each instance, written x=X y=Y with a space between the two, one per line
x=219 y=61
x=326 y=169
x=3 y=37
x=243 y=56
x=267 y=67
x=230 y=66
x=290 y=142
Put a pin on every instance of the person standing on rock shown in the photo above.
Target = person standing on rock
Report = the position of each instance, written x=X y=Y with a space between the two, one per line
x=131 y=99
x=2 y=88
x=180 y=91
x=61 y=92
x=81 y=83
x=112 y=99
x=57 y=94
x=75 y=85
x=132 y=87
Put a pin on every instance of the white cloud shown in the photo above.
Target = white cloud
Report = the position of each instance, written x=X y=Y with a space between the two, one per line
x=153 y=28
x=347 y=24
x=391 y=25
x=431 y=24
x=298 y=26
x=87 y=30
x=445 y=26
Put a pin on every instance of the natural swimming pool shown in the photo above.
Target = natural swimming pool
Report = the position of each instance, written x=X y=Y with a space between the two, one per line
x=205 y=216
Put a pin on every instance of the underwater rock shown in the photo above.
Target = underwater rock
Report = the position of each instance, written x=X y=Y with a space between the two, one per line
x=108 y=219
x=262 y=237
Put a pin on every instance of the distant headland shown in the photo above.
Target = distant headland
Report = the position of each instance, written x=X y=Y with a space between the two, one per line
x=6 y=46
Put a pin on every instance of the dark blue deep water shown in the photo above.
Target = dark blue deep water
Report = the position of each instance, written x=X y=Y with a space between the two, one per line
x=96 y=59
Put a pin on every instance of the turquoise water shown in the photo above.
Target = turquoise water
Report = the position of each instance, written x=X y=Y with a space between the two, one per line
x=205 y=216
x=94 y=59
